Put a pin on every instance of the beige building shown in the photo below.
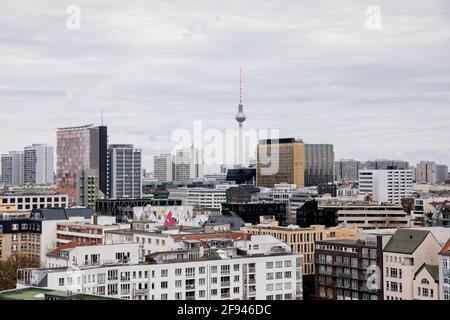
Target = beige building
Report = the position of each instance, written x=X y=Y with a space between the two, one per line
x=404 y=257
x=374 y=217
x=24 y=244
x=280 y=161
x=426 y=283
x=302 y=240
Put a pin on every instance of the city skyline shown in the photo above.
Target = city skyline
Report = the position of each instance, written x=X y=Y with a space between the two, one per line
x=373 y=97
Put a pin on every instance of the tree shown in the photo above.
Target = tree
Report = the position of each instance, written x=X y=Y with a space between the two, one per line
x=407 y=204
x=9 y=267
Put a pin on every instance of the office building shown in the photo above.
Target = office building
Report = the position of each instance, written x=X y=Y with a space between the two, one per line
x=426 y=172
x=441 y=173
x=12 y=168
x=347 y=170
x=26 y=201
x=38 y=164
x=319 y=164
x=386 y=186
x=164 y=167
x=20 y=236
x=280 y=161
x=81 y=148
x=124 y=172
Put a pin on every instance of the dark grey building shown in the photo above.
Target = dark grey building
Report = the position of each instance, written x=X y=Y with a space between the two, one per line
x=124 y=172
x=319 y=164
x=387 y=165
x=347 y=170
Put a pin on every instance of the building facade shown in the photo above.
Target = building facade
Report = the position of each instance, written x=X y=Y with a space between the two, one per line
x=319 y=164
x=81 y=148
x=347 y=170
x=38 y=164
x=386 y=186
x=426 y=172
x=12 y=168
x=444 y=272
x=124 y=172
x=280 y=161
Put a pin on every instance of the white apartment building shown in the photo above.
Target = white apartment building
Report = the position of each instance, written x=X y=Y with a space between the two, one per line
x=12 y=168
x=202 y=274
x=38 y=164
x=74 y=255
x=211 y=198
x=405 y=255
x=444 y=272
x=189 y=164
x=386 y=186
x=164 y=168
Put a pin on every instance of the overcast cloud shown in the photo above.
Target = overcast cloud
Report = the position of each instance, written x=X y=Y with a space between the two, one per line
x=312 y=69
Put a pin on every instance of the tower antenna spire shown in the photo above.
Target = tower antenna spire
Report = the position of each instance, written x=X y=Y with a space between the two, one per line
x=240 y=75
x=102 y=116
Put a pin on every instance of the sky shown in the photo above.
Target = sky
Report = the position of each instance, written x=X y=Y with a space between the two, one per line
x=318 y=70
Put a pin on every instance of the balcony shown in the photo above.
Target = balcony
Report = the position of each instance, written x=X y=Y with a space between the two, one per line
x=225 y=284
x=252 y=270
x=190 y=287
x=225 y=295
x=138 y=292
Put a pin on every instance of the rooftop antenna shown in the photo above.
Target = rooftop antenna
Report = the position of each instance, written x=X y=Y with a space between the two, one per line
x=102 y=116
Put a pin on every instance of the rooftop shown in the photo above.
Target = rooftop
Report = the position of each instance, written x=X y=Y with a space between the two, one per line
x=33 y=293
x=406 y=240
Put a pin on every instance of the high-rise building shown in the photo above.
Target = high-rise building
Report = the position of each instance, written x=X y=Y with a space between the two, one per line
x=441 y=173
x=280 y=161
x=426 y=172
x=81 y=148
x=124 y=172
x=347 y=170
x=87 y=188
x=386 y=164
x=12 y=168
x=38 y=164
x=386 y=186
x=188 y=164
x=319 y=164
x=164 y=167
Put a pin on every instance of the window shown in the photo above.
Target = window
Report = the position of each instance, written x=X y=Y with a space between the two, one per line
x=164 y=285
x=269 y=276
x=269 y=264
x=164 y=296
x=178 y=272
x=61 y=282
x=425 y=281
x=202 y=293
x=225 y=269
x=236 y=290
x=202 y=281
x=269 y=287
x=236 y=267
x=178 y=283
x=279 y=275
x=214 y=269
x=287 y=264
x=178 y=296
x=202 y=270
x=164 y=273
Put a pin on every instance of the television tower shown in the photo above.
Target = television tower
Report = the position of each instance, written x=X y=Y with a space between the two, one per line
x=240 y=118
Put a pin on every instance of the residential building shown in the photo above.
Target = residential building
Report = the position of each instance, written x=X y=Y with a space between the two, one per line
x=81 y=148
x=280 y=161
x=302 y=240
x=212 y=269
x=386 y=186
x=87 y=188
x=164 y=167
x=19 y=236
x=38 y=164
x=405 y=255
x=188 y=164
x=349 y=269
x=426 y=283
x=12 y=168
x=444 y=272
x=124 y=172
x=40 y=294
x=319 y=164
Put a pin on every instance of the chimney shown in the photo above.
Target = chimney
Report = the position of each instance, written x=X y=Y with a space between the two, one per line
x=94 y=219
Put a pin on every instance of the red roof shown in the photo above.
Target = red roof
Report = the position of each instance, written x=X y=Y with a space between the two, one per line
x=56 y=252
x=446 y=249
